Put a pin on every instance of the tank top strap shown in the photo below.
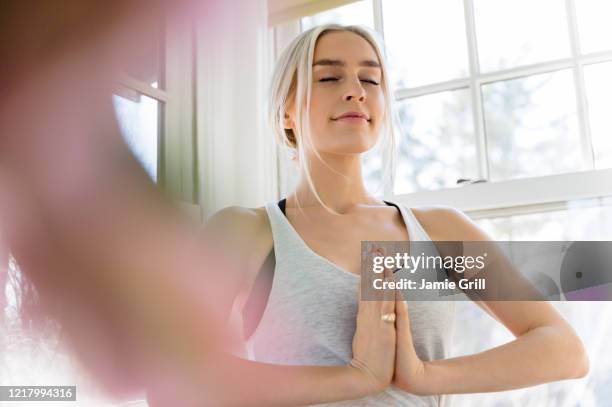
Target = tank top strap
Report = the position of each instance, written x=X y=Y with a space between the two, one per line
x=285 y=238
x=416 y=231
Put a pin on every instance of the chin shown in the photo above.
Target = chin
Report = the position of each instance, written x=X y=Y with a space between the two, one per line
x=348 y=143
x=360 y=144
x=351 y=148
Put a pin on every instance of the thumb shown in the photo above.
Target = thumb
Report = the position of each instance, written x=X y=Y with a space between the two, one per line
x=404 y=340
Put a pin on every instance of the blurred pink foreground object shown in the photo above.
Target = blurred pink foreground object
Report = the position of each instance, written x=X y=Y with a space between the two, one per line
x=134 y=287
x=140 y=294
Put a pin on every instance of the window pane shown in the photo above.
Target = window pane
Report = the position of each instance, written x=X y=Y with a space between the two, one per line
x=598 y=80
x=592 y=321
x=360 y=12
x=425 y=45
x=138 y=117
x=531 y=126
x=581 y=220
x=437 y=142
x=372 y=168
x=594 y=24
x=511 y=33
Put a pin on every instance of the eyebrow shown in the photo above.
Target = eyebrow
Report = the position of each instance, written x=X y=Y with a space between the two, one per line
x=337 y=62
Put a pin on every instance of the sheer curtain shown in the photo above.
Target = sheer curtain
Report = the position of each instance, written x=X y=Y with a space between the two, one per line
x=236 y=151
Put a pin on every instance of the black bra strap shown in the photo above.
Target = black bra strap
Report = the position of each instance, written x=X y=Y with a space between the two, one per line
x=281 y=204
x=392 y=204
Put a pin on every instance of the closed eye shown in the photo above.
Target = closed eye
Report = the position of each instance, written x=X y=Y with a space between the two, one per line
x=373 y=82
x=331 y=78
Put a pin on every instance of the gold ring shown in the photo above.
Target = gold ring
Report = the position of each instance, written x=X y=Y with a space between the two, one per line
x=390 y=317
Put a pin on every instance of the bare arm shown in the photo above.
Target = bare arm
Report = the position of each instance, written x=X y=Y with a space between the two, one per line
x=548 y=352
x=546 y=348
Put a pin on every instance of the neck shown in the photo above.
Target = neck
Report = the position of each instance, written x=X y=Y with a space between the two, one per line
x=339 y=184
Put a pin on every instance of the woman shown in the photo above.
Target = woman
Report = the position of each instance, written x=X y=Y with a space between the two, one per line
x=330 y=102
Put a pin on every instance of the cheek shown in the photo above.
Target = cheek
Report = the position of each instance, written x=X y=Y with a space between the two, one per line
x=320 y=109
x=319 y=99
x=377 y=109
x=378 y=102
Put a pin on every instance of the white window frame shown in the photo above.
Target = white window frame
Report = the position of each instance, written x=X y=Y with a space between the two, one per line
x=506 y=197
x=179 y=148
x=176 y=160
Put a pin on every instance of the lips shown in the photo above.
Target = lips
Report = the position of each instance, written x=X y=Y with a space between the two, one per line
x=352 y=116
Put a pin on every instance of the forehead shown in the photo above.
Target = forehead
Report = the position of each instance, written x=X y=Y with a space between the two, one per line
x=346 y=46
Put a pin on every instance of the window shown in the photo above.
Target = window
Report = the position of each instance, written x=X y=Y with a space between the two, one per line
x=139 y=102
x=598 y=79
x=359 y=12
x=437 y=143
x=501 y=45
x=588 y=219
x=594 y=26
x=530 y=122
x=138 y=117
x=590 y=320
x=479 y=99
x=425 y=46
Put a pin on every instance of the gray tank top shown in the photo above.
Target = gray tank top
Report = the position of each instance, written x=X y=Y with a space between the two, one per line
x=312 y=306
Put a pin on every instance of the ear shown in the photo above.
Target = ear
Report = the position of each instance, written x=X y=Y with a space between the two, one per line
x=288 y=122
x=289 y=119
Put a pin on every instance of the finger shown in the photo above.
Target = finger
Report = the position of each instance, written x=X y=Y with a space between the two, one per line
x=367 y=305
x=367 y=272
x=388 y=304
x=402 y=315
x=401 y=306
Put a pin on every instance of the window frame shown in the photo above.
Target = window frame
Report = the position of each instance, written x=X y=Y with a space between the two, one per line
x=507 y=196
x=176 y=143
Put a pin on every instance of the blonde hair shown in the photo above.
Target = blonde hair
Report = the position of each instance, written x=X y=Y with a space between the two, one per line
x=292 y=83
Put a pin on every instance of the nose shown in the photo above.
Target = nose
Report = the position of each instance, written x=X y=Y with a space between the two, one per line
x=355 y=91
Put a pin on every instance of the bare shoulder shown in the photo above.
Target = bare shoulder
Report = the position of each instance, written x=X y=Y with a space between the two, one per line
x=448 y=223
x=238 y=218
x=244 y=231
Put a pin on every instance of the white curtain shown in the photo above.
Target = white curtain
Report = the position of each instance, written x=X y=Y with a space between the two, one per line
x=236 y=151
